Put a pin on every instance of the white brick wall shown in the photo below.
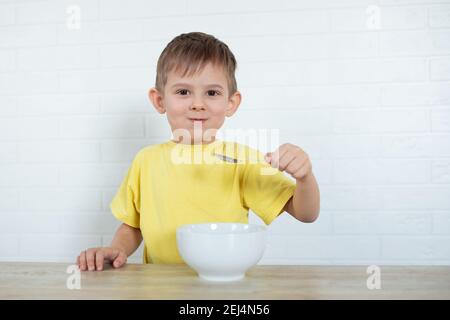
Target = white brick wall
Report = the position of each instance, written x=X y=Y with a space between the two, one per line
x=370 y=106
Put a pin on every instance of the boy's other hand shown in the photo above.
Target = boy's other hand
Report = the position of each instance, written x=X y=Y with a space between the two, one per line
x=292 y=159
x=93 y=259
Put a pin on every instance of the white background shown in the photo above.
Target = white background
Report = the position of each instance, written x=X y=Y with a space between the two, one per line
x=370 y=106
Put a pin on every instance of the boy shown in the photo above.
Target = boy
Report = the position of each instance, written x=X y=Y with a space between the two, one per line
x=163 y=189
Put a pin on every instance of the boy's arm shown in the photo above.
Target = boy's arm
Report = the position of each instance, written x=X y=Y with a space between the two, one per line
x=127 y=239
x=304 y=205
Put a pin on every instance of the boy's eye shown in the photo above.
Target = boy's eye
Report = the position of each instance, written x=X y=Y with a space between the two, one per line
x=183 y=92
x=213 y=93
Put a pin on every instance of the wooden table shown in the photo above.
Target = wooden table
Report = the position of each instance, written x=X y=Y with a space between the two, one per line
x=19 y=280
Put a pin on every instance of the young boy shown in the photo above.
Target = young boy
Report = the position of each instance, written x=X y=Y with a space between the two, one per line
x=164 y=188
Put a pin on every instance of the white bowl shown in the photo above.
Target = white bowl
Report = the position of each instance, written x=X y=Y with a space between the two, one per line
x=221 y=251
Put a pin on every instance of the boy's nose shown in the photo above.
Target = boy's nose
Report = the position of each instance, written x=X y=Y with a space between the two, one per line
x=198 y=107
x=197 y=103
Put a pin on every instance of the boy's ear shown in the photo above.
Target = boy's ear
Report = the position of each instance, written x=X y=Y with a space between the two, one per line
x=233 y=103
x=156 y=98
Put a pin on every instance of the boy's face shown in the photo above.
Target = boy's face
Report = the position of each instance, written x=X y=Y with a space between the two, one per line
x=204 y=96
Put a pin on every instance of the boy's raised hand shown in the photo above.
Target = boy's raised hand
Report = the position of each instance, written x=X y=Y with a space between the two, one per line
x=292 y=159
x=93 y=259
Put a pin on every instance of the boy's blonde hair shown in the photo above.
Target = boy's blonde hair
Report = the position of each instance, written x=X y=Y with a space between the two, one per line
x=188 y=53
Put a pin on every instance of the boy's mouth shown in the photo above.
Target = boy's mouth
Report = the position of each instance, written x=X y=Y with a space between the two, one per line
x=198 y=119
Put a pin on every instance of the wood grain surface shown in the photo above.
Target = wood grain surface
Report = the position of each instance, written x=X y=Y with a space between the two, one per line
x=20 y=280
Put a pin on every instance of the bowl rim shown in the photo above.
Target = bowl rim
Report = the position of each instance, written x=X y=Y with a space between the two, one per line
x=186 y=228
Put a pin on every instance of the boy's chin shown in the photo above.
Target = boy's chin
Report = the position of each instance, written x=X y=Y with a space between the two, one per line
x=196 y=137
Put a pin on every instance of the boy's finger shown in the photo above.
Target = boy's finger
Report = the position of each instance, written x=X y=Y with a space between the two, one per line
x=275 y=157
x=286 y=160
x=90 y=256
x=99 y=260
x=294 y=167
x=79 y=263
x=120 y=260
x=83 y=261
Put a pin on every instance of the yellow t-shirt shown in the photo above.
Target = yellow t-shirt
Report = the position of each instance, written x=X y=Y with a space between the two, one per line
x=171 y=184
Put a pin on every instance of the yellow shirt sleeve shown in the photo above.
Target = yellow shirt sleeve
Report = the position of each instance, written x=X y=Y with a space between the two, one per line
x=266 y=189
x=125 y=205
